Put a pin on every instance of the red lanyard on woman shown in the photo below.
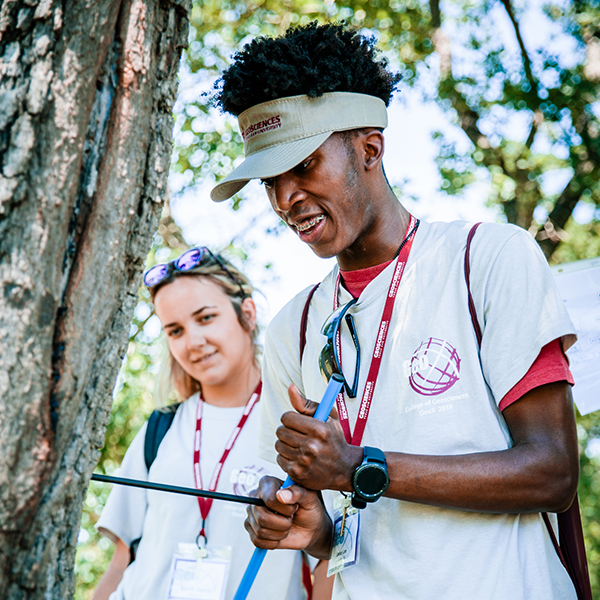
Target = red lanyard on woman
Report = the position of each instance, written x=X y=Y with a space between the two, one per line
x=365 y=405
x=205 y=504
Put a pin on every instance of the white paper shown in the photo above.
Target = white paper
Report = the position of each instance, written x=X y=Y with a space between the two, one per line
x=197 y=579
x=346 y=543
x=579 y=285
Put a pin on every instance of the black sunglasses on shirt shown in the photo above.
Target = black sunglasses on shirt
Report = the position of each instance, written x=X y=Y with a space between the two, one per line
x=329 y=360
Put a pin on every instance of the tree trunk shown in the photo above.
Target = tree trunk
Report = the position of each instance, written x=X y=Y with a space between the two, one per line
x=86 y=92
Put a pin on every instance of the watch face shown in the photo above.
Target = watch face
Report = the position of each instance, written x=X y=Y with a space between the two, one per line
x=371 y=480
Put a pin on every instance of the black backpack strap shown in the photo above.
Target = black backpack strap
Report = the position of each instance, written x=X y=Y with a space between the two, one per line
x=304 y=320
x=158 y=425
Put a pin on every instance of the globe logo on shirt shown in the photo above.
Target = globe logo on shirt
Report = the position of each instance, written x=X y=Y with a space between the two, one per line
x=246 y=479
x=434 y=367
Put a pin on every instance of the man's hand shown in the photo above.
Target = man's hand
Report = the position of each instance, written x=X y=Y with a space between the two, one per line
x=315 y=454
x=294 y=519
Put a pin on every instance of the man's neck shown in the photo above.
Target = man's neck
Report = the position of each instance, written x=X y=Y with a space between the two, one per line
x=381 y=242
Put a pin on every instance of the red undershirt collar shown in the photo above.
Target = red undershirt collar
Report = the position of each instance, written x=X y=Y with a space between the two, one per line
x=356 y=281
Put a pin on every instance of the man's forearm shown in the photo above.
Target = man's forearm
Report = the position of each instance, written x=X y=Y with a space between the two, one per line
x=518 y=480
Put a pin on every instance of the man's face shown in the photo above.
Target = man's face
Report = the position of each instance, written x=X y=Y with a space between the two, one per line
x=324 y=198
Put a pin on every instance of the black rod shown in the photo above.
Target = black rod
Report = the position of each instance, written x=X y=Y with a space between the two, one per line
x=161 y=487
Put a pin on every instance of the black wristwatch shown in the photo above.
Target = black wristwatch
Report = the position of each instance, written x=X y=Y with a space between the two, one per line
x=370 y=479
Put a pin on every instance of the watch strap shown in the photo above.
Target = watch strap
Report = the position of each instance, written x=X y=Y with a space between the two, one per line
x=371 y=454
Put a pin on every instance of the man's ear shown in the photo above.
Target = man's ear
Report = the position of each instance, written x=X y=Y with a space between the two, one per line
x=372 y=146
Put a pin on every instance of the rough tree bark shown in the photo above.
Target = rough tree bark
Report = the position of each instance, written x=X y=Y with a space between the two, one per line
x=86 y=92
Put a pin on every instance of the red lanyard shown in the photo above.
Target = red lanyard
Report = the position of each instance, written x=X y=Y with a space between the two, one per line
x=205 y=504
x=365 y=405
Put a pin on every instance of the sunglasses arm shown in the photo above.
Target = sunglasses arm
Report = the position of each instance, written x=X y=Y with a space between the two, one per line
x=350 y=322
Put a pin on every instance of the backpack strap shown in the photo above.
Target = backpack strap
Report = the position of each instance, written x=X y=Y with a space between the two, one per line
x=555 y=543
x=304 y=320
x=306 y=574
x=158 y=425
x=573 y=546
x=569 y=522
x=307 y=577
x=472 y=311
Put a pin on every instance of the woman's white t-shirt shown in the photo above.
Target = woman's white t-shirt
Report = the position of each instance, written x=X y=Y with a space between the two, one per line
x=163 y=520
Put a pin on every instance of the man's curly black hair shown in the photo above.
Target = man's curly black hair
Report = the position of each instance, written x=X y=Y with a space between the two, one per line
x=312 y=60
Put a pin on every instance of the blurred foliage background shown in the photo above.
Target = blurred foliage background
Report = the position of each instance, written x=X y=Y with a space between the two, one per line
x=519 y=83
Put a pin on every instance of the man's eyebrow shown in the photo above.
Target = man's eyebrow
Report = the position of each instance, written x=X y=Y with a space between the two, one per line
x=195 y=313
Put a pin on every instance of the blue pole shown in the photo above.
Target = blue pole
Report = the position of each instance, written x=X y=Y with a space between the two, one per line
x=321 y=414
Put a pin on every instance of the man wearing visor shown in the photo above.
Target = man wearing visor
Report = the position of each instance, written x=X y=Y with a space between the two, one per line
x=455 y=430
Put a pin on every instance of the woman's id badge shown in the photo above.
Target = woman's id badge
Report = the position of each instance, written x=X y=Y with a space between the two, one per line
x=197 y=574
x=346 y=532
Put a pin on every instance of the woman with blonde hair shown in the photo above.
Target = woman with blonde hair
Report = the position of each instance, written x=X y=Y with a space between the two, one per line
x=190 y=547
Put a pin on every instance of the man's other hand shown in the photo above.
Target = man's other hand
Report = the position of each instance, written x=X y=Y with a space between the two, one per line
x=294 y=518
x=315 y=454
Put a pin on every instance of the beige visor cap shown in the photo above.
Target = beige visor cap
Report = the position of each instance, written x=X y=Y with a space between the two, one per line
x=280 y=134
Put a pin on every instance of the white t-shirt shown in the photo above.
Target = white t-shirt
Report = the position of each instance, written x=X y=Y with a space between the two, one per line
x=162 y=519
x=436 y=395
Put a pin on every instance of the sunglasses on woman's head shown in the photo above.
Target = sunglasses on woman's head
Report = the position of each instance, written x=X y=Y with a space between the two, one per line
x=189 y=260
x=329 y=360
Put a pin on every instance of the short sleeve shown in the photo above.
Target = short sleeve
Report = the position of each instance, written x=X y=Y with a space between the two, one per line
x=549 y=367
x=281 y=367
x=522 y=310
x=125 y=510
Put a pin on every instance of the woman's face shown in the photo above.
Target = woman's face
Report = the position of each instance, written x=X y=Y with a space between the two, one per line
x=203 y=332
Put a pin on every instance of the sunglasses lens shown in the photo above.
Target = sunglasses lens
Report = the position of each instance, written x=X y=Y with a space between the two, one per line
x=155 y=275
x=327 y=359
x=190 y=259
x=332 y=321
x=327 y=362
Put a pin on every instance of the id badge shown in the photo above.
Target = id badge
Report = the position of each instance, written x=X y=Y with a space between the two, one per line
x=346 y=535
x=197 y=574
